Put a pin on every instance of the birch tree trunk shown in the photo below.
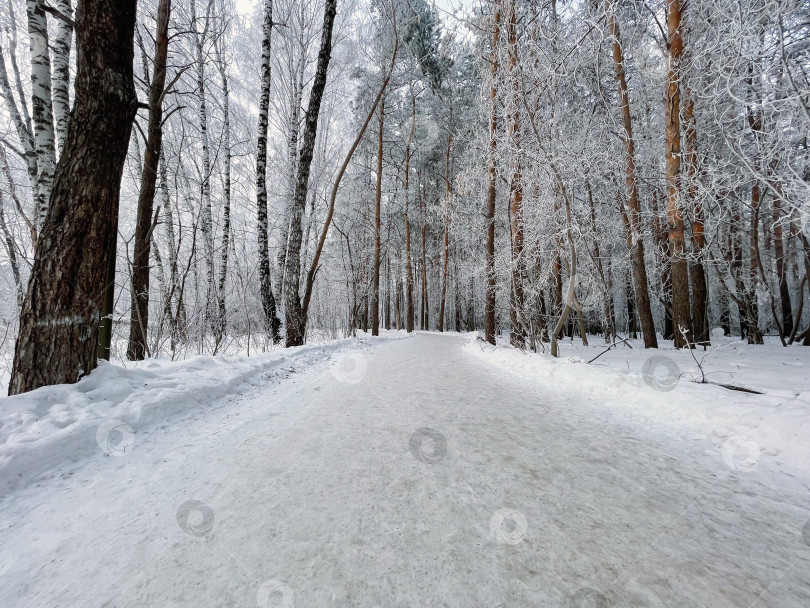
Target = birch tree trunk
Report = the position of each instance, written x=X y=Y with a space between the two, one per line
x=206 y=223
x=226 y=212
x=20 y=116
x=271 y=320
x=41 y=106
x=23 y=129
x=292 y=153
x=59 y=323
x=632 y=203
x=61 y=71
x=295 y=321
x=139 y=310
x=173 y=291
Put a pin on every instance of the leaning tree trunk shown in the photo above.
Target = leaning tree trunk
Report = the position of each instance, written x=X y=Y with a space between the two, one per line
x=295 y=321
x=139 y=312
x=59 y=323
x=271 y=320
x=633 y=205
x=316 y=256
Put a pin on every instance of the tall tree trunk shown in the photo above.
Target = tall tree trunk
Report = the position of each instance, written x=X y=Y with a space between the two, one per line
x=697 y=272
x=632 y=202
x=660 y=233
x=387 y=292
x=292 y=156
x=206 y=221
x=61 y=70
x=59 y=323
x=295 y=321
x=271 y=321
x=375 y=278
x=489 y=210
x=781 y=270
x=518 y=332
x=409 y=305
x=41 y=106
x=173 y=290
x=446 y=257
x=631 y=310
x=139 y=311
x=226 y=211
x=425 y=312
x=681 y=317
x=755 y=124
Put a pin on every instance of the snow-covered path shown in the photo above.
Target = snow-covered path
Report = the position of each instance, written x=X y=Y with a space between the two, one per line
x=410 y=473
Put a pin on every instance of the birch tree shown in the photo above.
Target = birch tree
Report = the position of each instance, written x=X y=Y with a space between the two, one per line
x=271 y=321
x=295 y=321
x=41 y=105
x=59 y=323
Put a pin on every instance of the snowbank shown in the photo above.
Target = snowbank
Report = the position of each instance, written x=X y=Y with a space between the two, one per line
x=104 y=411
x=660 y=386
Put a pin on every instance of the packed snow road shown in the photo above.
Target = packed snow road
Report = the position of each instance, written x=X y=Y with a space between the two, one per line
x=407 y=473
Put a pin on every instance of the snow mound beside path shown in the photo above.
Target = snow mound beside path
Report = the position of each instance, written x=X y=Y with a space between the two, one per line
x=744 y=426
x=104 y=411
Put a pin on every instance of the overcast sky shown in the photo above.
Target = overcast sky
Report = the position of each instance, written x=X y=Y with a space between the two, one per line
x=244 y=6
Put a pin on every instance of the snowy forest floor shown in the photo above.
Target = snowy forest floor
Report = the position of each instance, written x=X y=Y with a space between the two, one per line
x=427 y=471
